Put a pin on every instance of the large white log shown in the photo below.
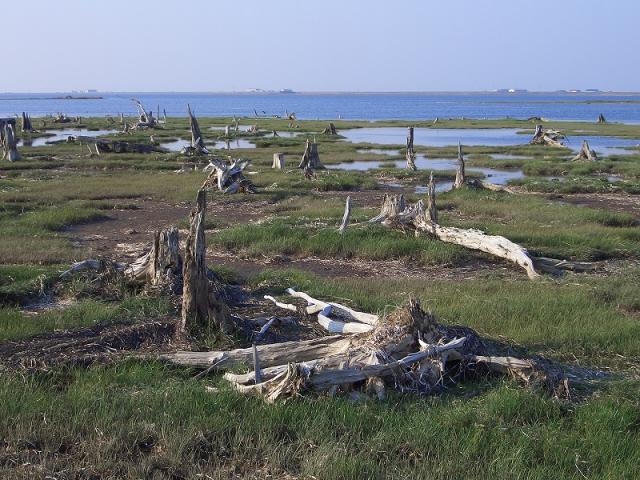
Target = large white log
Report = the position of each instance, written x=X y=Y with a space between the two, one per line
x=270 y=355
x=367 y=318
x=492 y=244
x=336 y=326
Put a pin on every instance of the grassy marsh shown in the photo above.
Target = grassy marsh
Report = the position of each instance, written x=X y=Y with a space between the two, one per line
x=142 y=419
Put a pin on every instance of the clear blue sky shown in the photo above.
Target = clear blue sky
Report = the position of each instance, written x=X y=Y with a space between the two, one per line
x=322 y=45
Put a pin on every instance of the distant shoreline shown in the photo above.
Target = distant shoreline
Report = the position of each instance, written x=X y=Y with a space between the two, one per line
x=71 y=96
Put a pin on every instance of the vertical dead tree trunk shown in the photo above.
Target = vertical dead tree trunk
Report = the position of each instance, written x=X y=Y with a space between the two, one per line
x=432 y=210
x=278 y=161
x=197 y=141
x=26 y=123
x=201 y=305
x=585 y=153
x=411 y=155
x=460 y=176
x=8 y=139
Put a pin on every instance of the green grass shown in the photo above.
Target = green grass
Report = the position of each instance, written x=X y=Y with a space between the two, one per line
x=15 y=324
x=545 y=228
x=134 y=420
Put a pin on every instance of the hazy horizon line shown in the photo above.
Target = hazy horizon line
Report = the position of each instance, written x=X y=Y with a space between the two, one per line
x=322 y=92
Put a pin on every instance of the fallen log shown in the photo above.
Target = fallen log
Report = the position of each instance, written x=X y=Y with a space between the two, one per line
x=416 y=217
x=270 y=355
x=117 y=146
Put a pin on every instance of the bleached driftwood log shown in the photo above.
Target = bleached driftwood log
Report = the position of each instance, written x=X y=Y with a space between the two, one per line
x=585 y=153
x=367 y=318
x=201 y=304
x=270 y=355
x=546 y=137
x=348 y=320
x=410 y=153
x=416 y=217
x=8 y=139
x=278 y=161
x=425 y=221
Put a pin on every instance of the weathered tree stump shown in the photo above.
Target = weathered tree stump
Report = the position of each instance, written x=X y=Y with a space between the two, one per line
x=410 y=154
x=310 y=159
x=585 y=153
x=460 y=175
x=201 y=304
x=330 y=130
x=26 y=123
x=145 y=118
x=546 y=137
x=8 y=139
x=197 y=142
x=162 y=265
x=278 y=161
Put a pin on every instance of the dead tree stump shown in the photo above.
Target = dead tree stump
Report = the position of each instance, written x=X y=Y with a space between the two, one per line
x=460 y=176
x=432 y=210
x=197 y=142
x=585 y=153
x=546 y=137
x=310 y=159
x=8 y=139
x=278 y=161
x=411 y=155
x=162 y=265
x=201 y=304
x=145 y=118
x=26 y=123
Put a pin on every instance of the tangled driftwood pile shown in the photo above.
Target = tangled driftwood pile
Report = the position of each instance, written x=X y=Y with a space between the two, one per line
x=407 y=350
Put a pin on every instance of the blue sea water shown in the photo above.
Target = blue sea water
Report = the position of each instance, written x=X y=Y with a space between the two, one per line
x=616 y=107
